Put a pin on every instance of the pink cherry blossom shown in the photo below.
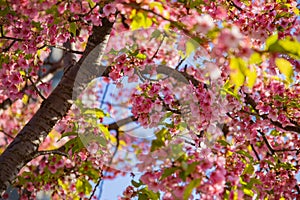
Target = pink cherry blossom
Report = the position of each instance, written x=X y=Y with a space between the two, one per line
x=109 y=9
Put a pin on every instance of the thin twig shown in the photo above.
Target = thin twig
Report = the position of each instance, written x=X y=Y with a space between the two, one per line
x=7 y=134
x=255 y=152
x=47 y=152
x=65 y=49
x=114 y=154
x=11 y=38
x=180 y=62
x=143 y=77
x=97 y=184
x=35 y=88
x=161 y=42
x=115 y=104
x=9 y=46
x=104 y=95
x=249 y=100
x=267 y=142
x=284 y=150
x=234 y=5
x=174 y=23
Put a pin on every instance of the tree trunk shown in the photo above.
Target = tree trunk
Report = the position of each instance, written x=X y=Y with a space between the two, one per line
x=26 y=144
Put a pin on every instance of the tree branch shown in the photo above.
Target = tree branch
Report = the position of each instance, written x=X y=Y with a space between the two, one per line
x=251 y=102
x=7 y=134
x=267 y=142
x=26 y=143
x=59 y=151
x=35 y=88
x=255 y=152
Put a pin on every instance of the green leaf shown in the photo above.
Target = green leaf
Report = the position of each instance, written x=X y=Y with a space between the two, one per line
x=145 y=193
x=191 y=168
x=244 y=153
x=158 y=5
x=69 y=134
x=75 y=143
x=271 y=41
x=239 y=72
x=290 y=46
x=248 y=192
x=143 y=197
x=168 y=171
x=223 y=143
x=285 y=165
x=113 y=52
x=141 y=56
x=249 y=169
x=96 y=112
x=251 y=78
x=136 y=184
x=237 y=76
x=82 y=185
x=253 y=181
x=242 y=181
x=156 y=144
x=91 y=137
x=70 y=143
x=73 y=28
x=285 y=68
x=275 y=133
x=182 y=176
x=78 y=145
x=105 y=131
x=139 y=20
x=91 y=3
x=161 y=137
x=79 y=185
x=188 y=190
x=195 y=3
x=255 y=58
x=190 y=46
x=156 y=34
x=4 y=11
x=285 y=46
x=296 y=11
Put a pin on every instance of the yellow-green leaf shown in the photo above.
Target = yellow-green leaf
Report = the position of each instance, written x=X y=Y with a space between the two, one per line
x=291 y=47
x=188 y=190
x=251 y=78
x=255 y=59
x=190 y=46
x=105 y=131
x=296 y=10
x=139 y=20
x=236 y=75
x=248 y=192
x=91 y=3
x=73 y=28
x=158 y=5
x=271 y=40
x=156 y=34
x=285 y=68
x=141 y=56
x=249 y=169
x=25 y=99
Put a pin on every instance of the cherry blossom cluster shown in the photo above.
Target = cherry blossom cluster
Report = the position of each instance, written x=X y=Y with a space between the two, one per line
x=125 y=66
x=207 y=167
x=28 y=33
x=254 y=152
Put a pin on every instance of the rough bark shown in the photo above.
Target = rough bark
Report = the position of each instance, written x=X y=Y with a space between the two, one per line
x=25 y=145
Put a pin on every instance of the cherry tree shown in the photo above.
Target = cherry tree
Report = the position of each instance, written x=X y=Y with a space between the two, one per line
x=200 y=97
